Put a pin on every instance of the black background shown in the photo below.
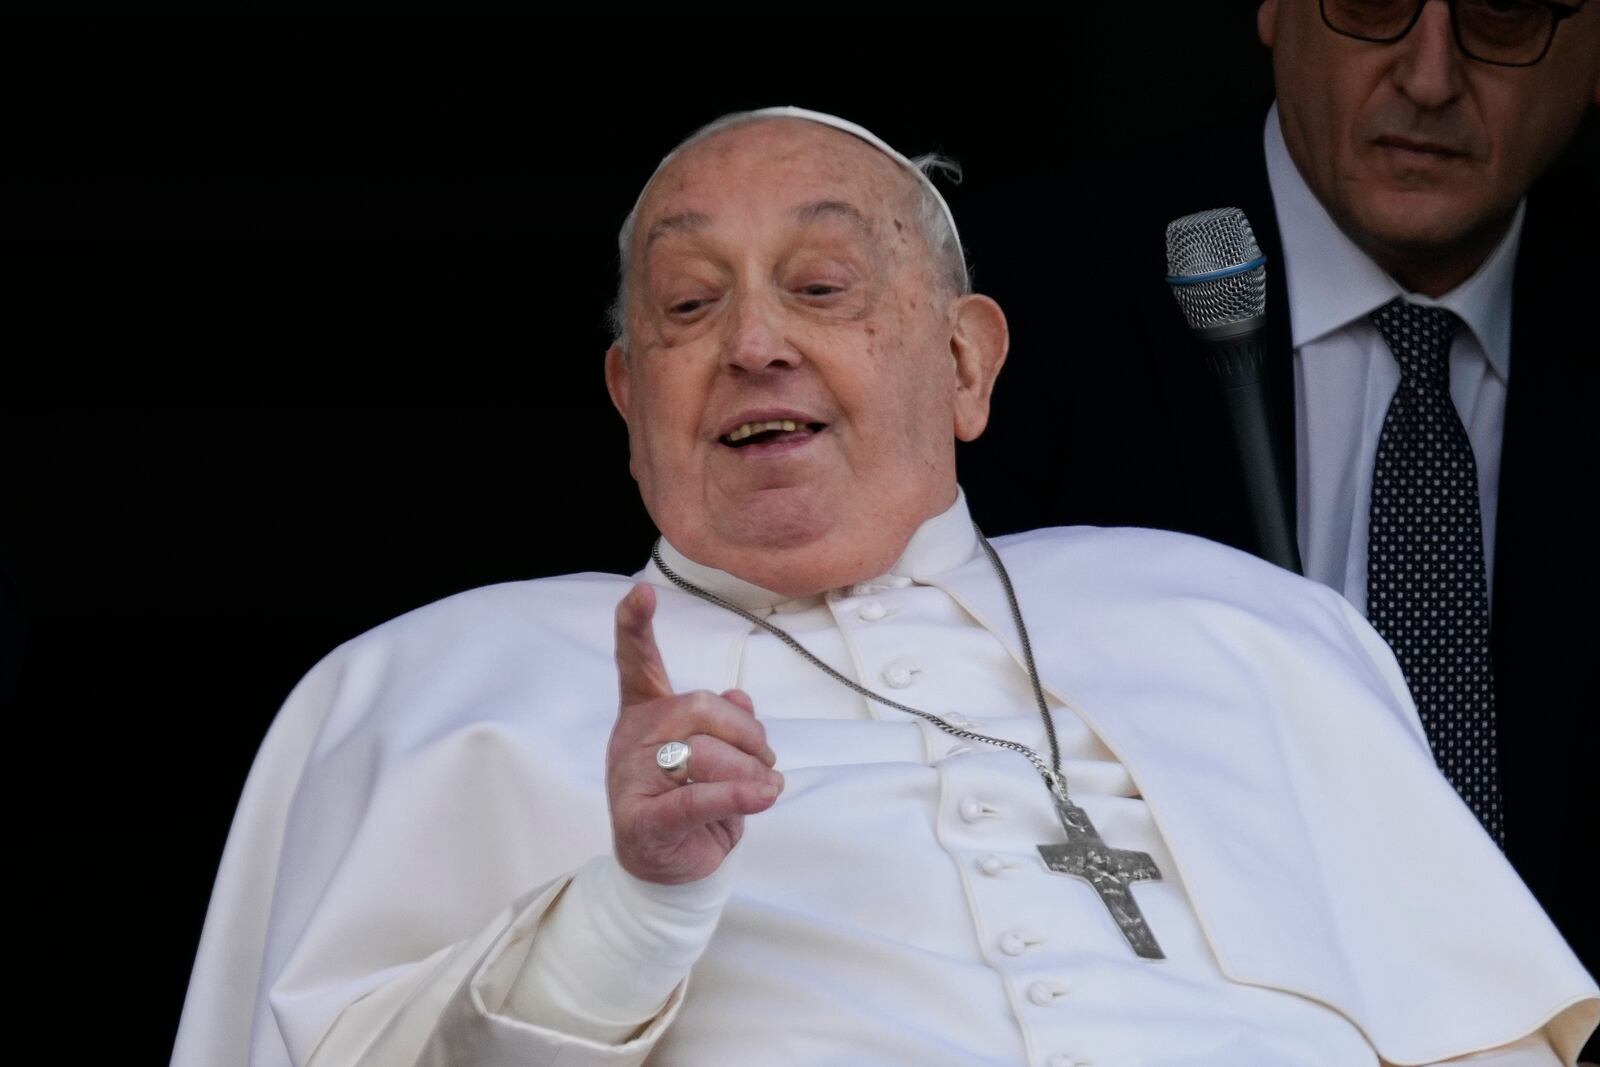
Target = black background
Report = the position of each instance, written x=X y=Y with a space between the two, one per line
x=303 y=329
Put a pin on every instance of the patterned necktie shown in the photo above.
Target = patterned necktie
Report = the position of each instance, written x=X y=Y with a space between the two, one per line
x=1426 y=590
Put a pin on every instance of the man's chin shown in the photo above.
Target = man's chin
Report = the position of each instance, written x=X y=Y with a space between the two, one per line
x=1424 y=239
x=766 y=519
x=1414 y=221
x=778 y=518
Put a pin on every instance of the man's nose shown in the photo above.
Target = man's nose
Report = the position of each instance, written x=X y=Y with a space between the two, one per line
x=757 y=340
x=1428 y=69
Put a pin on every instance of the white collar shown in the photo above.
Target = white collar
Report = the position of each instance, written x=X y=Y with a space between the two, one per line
x=1332 y=283
x=942 y=543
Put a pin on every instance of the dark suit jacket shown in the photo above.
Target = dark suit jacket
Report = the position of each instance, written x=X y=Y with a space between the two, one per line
x=1139 y=424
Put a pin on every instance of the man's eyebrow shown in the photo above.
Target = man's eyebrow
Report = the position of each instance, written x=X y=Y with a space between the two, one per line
x=687 y=220
x=822 y=209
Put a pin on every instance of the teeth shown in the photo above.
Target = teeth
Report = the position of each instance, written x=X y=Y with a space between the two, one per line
x=762 y=427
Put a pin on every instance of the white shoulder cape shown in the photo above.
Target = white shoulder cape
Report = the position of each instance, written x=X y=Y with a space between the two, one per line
x=1266 y=725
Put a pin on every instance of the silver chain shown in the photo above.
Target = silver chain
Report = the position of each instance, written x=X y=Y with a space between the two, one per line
x=1054 y=780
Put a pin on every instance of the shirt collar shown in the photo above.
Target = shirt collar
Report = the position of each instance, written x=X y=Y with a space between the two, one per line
x=942 y=543
x=1332 y=283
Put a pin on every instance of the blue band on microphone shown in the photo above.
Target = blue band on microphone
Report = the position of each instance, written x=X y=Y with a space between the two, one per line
x=1214 y=275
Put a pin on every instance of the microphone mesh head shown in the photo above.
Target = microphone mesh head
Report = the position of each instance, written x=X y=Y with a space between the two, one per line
x=1212 y=241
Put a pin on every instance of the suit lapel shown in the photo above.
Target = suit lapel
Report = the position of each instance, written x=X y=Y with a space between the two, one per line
x=1539 y=554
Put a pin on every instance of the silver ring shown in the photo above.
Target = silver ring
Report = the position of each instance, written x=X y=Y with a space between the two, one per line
x=673 y=759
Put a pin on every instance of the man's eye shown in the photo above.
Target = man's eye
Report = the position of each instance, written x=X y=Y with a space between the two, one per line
x=687 y=307
x=820 y=289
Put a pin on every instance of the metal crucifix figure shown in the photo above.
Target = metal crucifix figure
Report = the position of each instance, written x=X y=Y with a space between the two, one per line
x=1109 y=871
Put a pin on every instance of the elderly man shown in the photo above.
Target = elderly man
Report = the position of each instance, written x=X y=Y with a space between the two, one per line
x=1432 y=343
x=827 y=785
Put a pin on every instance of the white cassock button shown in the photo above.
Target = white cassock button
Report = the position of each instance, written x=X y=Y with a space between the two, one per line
x=1016 y=942
x=1062 y=1059
x=960 y=722
x=872 y=611
x=1045 y=994
x=993 y=866
x=898 y=674
x=971 y=809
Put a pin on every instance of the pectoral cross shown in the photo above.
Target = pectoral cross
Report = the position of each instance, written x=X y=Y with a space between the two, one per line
x=1109 y=872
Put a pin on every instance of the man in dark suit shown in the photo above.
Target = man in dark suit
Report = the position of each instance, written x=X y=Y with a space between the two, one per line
x=1403 y=175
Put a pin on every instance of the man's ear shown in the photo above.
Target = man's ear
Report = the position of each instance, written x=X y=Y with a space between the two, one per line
x=979 y=341
x=617 y=379
x=1267 y=22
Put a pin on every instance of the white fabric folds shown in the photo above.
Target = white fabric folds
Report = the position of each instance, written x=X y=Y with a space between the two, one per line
x=430 y=773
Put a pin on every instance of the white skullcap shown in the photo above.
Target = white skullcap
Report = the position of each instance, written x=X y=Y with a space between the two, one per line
x=839 y=124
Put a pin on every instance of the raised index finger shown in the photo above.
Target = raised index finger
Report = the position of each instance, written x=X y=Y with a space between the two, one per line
x=641 y=675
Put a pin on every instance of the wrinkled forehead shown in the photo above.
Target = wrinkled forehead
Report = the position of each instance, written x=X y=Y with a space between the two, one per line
x=773 y=161
x=843 y=137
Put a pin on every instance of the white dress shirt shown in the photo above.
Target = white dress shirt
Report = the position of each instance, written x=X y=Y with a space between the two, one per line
x=423 y=799
x=1345 y=374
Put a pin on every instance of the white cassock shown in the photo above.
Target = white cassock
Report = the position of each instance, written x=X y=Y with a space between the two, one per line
x=429 y=788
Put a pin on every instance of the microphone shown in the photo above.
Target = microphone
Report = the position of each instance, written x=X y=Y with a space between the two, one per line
x=1219 y=276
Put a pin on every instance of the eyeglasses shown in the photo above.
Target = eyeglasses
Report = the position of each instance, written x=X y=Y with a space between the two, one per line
x=1507 y=33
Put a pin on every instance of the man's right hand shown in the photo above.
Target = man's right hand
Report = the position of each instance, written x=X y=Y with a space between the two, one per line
x=664 y=832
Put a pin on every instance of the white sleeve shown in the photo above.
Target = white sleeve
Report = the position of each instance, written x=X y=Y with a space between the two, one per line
x=374 y=903
x=611 y=952
x=504 y=996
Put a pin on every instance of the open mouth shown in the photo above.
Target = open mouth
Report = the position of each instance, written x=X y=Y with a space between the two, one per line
x=770 y=431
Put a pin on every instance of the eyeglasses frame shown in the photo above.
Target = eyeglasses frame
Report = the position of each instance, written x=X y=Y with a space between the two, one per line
x=1559 y=13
